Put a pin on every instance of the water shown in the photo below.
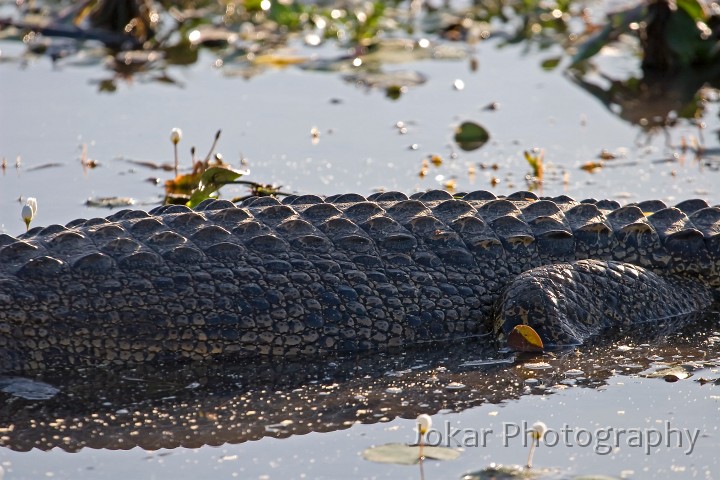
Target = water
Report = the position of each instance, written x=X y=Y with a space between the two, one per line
x=314 y=419
x=336 y=454
x=48 y=112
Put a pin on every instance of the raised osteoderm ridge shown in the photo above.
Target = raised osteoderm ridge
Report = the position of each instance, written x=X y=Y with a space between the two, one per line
x=309 y=276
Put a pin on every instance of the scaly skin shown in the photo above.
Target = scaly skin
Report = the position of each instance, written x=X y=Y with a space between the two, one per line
x=308 y=277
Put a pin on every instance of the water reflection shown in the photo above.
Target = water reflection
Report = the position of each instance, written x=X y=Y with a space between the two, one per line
x=200 y=405
x=251 y=38
x=654 y=101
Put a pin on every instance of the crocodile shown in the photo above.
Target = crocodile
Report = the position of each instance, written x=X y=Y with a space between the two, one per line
x=309 y=276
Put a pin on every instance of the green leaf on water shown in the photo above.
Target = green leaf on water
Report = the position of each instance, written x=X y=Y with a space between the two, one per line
x=470 y=136
x=211 y=180
x=394 y=92
x=550 y=64
x=693 y=8
x=219 y=176
x=402 y=454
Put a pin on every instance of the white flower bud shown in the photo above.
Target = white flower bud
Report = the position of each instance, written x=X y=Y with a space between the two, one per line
x=424 y=422
x=175 y=136
x=28 y=211
x=32 y=203
x=538 y=430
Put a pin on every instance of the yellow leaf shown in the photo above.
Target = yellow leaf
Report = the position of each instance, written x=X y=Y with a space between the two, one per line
x=524 y=338
x=592 y=167
x=278 y=60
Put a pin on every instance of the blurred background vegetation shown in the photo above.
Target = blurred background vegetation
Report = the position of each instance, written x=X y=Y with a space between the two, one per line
x=674 y=44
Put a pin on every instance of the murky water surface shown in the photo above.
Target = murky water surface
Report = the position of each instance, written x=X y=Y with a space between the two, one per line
x=48 y=113
x=610 y=409
x=313 y=421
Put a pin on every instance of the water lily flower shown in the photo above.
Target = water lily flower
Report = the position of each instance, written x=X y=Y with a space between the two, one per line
x=424 y=422
x=29 y=210
x=537 y=432
x=175 y=137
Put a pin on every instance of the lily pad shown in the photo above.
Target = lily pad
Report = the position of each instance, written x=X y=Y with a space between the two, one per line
x=502 y=472
x=470 y=136
x=509 y=472
x=402 y=454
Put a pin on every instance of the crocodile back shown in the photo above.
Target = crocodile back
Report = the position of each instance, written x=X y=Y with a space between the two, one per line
x=341 y=273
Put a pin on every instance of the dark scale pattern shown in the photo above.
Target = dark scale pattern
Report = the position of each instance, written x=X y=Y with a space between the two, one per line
x=560 y=301
x=307 y=276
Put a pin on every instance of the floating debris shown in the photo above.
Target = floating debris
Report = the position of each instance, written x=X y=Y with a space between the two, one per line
x=315 y=135
x=109 y=202
x=210 y=36
x=607 y=155
x=45 y=166
x=392 y=82
x=402 y=454
x=455 y=386
x=592 y=166
x=27 y=389
x=672 y=373
x=536 y=365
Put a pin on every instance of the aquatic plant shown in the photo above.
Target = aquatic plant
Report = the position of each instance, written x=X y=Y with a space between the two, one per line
x=28 y=212
x=175 y=137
